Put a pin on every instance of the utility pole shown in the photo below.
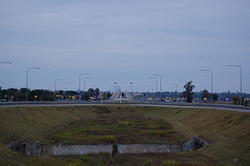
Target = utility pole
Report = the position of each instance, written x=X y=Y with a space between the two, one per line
x=27 y=78
x=80 y=75
x=212 y=80
x=156 y=85
x=158 y=75
x=240 y=69
x=6 y=62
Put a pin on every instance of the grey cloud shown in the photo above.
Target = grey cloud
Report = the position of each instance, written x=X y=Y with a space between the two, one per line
x=134 y=36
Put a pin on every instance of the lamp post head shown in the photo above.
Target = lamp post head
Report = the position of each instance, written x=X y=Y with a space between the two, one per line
x=84 y=74
x=6 y=62
x=234 y=66
x=33 y=68
x=206 y=70
x=156 y=75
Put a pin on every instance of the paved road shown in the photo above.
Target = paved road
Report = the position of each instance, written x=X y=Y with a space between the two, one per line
x=200 y=107
x=172 y=105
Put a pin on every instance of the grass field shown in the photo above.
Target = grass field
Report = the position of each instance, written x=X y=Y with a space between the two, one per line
x=227 y=132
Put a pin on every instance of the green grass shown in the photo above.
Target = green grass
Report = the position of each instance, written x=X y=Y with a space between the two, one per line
x=112 y=129
x=169 y=163
x=227 y=132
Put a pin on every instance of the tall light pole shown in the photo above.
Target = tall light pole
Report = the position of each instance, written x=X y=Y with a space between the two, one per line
x=212 y=81
x=156 y=84
x=80 y=75
x=84 y=85
x=240 y=68
x=6 y=62
x=27 y=78
x=55 y=86
x=158 y=75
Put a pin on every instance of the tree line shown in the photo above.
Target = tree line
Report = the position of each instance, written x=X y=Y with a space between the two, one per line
x=13 y=94
x=188 y=94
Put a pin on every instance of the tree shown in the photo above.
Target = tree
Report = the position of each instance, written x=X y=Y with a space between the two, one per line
x=70 y=94
x=90 y=93
x=189 y=91
x=205 y=95
x=41 y=95
x=13 y=94
x=236 y=100
x=106 y=95
x=97 y=92
x=215 y=96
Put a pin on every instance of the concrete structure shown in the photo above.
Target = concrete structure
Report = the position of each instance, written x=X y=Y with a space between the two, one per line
x=29 y=148
x=148 y=148
x=193 y=144
x=63 y=150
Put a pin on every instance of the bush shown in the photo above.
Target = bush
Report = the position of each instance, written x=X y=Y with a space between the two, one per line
x=147 y=163
x=169 y=163
x=236 y=100
x=106 y=138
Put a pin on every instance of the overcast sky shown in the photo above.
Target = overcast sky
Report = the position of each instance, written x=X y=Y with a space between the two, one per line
x=124 y=41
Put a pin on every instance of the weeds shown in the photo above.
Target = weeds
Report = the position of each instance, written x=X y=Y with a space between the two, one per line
x=169 y=163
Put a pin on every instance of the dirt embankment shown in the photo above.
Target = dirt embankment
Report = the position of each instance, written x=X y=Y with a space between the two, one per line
x=227 y=132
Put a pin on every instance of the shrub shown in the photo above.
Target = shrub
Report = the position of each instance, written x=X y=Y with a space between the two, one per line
x=105 y=138
x=169 y=163
x=147 y=163
x=236 y=100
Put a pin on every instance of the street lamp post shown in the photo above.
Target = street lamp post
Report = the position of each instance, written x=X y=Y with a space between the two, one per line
x=84 y=85
x=27 y=79
x=156 y=85
x=240 y=68
x=6 y=62
x=80 y=75
x=158 y=75
x=55 y=86
x=212 y=82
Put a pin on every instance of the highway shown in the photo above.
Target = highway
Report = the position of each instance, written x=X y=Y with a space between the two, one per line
x=227 y=107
